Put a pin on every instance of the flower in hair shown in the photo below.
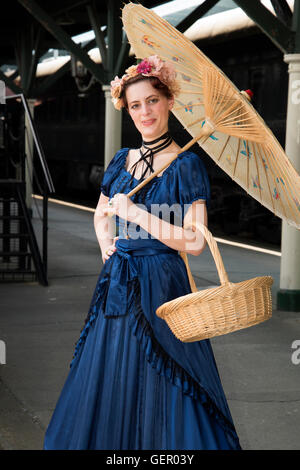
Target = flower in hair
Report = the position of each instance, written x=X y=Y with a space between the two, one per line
x=115 y=90
x=144 y=67
x=117 y=85
x=131 y=72
x=152 y=66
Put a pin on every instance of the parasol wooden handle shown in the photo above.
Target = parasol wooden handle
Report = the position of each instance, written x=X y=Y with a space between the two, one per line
x=214 y=251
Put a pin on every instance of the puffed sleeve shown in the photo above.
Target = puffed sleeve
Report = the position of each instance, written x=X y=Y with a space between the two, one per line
x=112 y=171
x=193 y=181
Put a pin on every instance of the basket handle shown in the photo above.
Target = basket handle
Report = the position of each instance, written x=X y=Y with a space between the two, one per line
x=189 y=272
x=214 y=251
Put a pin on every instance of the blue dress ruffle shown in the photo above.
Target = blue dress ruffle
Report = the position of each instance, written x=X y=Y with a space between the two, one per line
x=132 y=384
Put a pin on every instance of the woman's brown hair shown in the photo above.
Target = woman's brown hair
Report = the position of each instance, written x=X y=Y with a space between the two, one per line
x=155 y=82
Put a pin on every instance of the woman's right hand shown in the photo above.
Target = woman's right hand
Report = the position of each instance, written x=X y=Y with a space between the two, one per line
x=110 y=250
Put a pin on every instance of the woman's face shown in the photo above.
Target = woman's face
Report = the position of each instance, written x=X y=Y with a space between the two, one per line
x=149 y=109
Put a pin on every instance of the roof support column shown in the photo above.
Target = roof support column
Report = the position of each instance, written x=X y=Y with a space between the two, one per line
x=288 y=297
x=113 y=127
x=113 y=117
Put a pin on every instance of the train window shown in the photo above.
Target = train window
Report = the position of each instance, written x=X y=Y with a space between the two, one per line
x=52 y=109
x=40 y=111
x=94 y=107
x=68 y=112
x=83 y=109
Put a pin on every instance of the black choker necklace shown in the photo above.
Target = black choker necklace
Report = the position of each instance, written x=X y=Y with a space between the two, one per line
x=164 y=136
x=147 y=156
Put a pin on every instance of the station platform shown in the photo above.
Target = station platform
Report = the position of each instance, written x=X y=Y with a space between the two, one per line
x=40 y=326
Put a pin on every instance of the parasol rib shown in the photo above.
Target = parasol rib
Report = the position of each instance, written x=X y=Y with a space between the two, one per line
x=257 y=170
x=220 y=101
x=273 y=165
x=248 y=161
x=227 y=112
x=287 y=170
x=287 y=179
x=236 y=157
x=225 y=145
x=270 y=178
x=236 y=118
x=266 y=175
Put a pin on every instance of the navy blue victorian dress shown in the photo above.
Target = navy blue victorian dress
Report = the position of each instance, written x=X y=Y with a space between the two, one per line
x=132 y=384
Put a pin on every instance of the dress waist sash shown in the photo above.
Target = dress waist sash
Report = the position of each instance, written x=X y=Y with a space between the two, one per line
x=115 y=286
x=142 y=247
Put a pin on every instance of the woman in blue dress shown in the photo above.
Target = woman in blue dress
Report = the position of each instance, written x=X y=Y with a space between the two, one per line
x=132 y=384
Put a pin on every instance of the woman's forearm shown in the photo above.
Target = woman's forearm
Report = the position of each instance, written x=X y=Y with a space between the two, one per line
x=104 y=229
x=173 y=236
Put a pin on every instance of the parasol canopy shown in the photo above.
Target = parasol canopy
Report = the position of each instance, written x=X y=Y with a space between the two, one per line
x=218 y=116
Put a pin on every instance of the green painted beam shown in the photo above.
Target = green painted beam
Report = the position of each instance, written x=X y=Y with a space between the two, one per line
x=49 y=24
x=114 y=34
x=51 y=79
x=28 y=39
x=200 y=11
x=23 y=48
x=36 y=46
x=99 y=36
x=283 y=11
x=10 y=83
x=72 y=4
x=296 y=25
x=122 y=58
x=280 y=34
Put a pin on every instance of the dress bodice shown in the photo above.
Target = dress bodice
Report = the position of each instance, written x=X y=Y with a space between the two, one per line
x=168 y=196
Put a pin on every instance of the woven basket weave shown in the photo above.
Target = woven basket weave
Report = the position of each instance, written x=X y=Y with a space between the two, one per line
x=219 y=310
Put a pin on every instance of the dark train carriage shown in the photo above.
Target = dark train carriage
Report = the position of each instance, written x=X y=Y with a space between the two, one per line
x=71 y=130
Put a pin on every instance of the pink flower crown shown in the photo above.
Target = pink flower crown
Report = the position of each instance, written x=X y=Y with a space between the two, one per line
x=152 y=66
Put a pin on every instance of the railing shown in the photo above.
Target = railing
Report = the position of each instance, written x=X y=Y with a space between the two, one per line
x=45 y=187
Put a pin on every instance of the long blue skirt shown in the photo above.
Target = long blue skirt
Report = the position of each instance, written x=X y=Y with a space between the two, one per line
x=132 y=384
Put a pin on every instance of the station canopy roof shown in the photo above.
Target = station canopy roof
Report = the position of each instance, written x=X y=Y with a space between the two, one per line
x=16 y=21
x=30 y=28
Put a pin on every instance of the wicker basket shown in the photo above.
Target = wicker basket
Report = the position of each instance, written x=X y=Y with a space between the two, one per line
x=219 y=310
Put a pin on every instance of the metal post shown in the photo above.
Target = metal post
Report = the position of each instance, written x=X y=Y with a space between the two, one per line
x=29 y=155
x=288 y=297
x=45 y=230
x=113 y=127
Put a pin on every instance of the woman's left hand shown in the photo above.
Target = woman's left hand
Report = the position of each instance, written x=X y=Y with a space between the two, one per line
x=122 y=206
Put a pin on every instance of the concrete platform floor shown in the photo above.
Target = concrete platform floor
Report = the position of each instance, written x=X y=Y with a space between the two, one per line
x=40 y=326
